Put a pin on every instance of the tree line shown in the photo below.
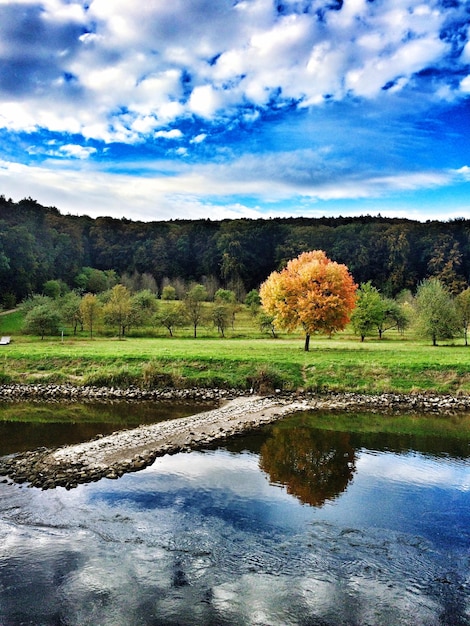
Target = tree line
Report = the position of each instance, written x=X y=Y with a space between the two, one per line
x=119 y=311
x=39 y=244
x=311 y=293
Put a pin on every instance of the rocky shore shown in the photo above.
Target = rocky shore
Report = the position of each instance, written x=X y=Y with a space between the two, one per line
x=132 y=450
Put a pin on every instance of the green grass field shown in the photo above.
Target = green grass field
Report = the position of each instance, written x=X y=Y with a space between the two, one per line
x=245 y=358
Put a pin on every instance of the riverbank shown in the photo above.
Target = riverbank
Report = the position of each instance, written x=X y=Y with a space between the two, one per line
x=132 y=450
x=334 y=365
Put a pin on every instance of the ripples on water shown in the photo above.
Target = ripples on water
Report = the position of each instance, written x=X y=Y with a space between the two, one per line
x=211 y=538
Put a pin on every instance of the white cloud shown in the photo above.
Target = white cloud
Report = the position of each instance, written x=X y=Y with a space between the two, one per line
x=465 y=84
x=464 y=172
x=214 y=190
x=76 y=152
x=414 y=469
x=199 y=138
x=175 y=133
x=138 y=68
x=205 y=101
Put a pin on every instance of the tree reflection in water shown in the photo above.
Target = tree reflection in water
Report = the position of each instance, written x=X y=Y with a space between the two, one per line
x=315 y=466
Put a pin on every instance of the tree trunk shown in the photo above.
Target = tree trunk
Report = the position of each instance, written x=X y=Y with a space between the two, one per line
x=307 y=342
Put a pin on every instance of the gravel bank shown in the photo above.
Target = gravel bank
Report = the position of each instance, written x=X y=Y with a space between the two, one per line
x=132 y=450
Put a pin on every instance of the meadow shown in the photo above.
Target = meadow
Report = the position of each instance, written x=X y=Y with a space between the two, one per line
x=245 y=359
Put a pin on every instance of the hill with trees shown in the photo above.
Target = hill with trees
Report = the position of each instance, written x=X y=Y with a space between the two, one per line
x=39 y=244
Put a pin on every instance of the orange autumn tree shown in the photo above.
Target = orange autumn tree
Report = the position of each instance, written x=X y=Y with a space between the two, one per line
x=311 y=292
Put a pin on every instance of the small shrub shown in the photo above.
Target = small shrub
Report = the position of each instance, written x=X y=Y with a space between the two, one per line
x=266 y=379
x=155 y=377
x=122 y=377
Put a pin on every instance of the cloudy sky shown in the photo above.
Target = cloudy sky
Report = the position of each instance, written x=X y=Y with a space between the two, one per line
x=237 y=108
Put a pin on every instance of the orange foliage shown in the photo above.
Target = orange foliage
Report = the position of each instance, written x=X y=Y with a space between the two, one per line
x=312 y=292
x=315 y=466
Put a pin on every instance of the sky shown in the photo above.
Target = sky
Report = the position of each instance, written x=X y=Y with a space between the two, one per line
x=219 y=109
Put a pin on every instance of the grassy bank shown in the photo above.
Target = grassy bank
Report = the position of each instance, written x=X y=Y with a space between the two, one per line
x=339 y=364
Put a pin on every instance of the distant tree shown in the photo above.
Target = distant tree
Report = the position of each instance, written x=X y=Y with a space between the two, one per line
x=136 y=282
x=369 y=313
x=168 y=293
x=253 y=302
x=144 y=306
x=70 y=310
x=35 y=301
x=436 y=316
x=131 y=281
x=221 y=314
x=253 y=298
x=395 y=317
x=148 y=282
x=178 y=288
x=92 y=280
x=90 y=311
x=312 y=292
x=212 y=285
x=118 y=310
x=225 y=295
x=445 y=263
x=462 y=302
x=266 y=323
x=194 y=306
x=55 y=288
x=225 y=299
x=42 y=320
x=170 y=317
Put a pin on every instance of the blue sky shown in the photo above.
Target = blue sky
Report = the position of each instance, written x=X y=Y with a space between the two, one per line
x=237 y=108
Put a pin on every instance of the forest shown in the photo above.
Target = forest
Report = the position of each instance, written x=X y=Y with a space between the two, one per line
x=39 y=244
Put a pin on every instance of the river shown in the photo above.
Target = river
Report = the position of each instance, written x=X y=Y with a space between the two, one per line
x=302 y=523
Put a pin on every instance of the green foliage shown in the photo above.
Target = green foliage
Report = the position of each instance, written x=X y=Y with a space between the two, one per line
x=462 y=302
x=54 y=289
x=369 y=313
x=194 y=307
x=117 y=311
x=168 y=293
x=90 y=310
x=436 y=315
x=95 y=281
x=42 y=320
x=225 y=296
x=396 y=316
x=253 y=300
x=266 y=323
x=34 y=301
x=38 y=244
x=221 y=314
x=69 y=306
x=143 y=308
x=170 y=317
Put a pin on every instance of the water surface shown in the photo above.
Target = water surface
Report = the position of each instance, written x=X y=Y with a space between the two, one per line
x=30 y=425
x=296 y=525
